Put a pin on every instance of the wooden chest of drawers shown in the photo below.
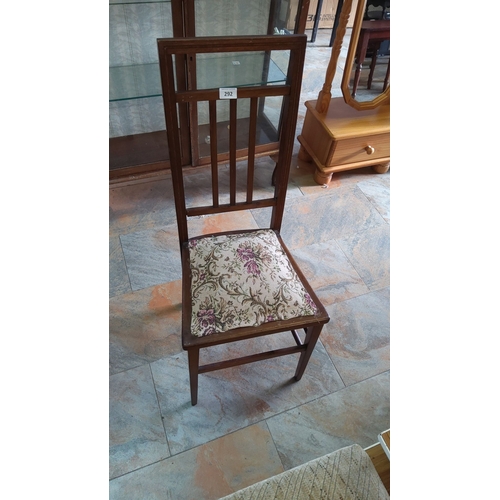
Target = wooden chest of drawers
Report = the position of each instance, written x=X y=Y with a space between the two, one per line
x=345 y=138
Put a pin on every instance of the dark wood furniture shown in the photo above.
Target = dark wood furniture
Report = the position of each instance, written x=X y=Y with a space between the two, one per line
x=147 y=153
x=377 y=9
x=173 y=98
x=372 y=34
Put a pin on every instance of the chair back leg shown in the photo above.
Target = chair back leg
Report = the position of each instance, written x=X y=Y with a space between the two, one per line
x=312 y=336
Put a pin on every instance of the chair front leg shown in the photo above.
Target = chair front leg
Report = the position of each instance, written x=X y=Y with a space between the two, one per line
x=193 y=360
x=312 y=336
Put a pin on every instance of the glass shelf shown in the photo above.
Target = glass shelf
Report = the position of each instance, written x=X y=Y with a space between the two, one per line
x=134 y=82
x=143 y=80
x=121 y=2
x=238 y=70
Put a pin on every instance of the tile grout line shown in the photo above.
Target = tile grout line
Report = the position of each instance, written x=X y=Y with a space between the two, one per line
x=159 y=410
x=274 y=443
x=372 y=204
x=126 y=266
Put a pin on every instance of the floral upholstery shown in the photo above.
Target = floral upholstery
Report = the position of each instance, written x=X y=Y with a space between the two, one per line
x=243 y=280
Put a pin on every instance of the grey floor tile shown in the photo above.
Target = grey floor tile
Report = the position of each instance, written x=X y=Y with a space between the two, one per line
x=369 y=253
x=385 y=178
x=234 y=398
x=140 y=206
x=144 y=326
x=198 y=183
x=230 y=221
x=198 y=186
x=119 y=282
x=121 y=359
x=152 y=256
x=301 y=175
x=357 y=338
x=303 y=178
x=207 y=472
x=377 y=191
x=137 y=437
x=329 y=272
x=355 y=414
x=316 y=219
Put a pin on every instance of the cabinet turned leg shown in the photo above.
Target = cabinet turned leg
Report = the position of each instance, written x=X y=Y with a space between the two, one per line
x=381 y=169
x=304 y=155
x=322 y=178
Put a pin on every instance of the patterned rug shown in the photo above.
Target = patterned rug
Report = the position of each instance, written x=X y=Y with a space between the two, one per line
x=346 y=474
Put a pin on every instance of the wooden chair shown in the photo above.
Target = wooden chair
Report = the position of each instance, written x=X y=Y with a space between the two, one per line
x=243 y=284
x=371 y=35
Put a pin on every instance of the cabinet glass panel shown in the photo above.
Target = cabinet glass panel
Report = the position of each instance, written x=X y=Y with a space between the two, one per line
x=137 y=81
x=126 y=2
x=134 y=82
x=244 y=17
x=267 y=125
x=239 y=70
x=134 y=74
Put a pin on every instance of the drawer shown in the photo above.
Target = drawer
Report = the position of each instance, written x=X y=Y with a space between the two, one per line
x=357 y=149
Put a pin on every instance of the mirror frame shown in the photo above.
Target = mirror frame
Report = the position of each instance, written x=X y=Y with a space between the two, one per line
x=351 y=54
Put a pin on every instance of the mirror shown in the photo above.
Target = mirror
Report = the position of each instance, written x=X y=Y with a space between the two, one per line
x=364 y=98
x=365 y=82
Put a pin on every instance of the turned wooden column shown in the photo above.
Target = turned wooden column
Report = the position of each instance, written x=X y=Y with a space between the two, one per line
x=325 y=93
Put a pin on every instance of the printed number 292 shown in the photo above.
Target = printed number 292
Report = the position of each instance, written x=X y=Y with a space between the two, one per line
x=228 y=93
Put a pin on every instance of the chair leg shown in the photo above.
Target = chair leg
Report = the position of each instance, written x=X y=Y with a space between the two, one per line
x=273 y=179
x=193 y=360
x=312 y=336
x=372 y=70
x=386 y=81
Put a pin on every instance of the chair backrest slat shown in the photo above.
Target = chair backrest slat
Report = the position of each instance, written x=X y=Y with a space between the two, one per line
x=212 y=109
x=232 y=150
x=252 y=132
x=289 y=91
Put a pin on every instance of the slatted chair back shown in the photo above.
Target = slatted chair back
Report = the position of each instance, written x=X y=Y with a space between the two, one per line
x=170 y=52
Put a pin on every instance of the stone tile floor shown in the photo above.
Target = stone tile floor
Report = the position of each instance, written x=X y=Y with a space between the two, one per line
x=252 y=421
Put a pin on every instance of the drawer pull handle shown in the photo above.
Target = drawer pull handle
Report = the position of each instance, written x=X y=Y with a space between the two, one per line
x=369 y=150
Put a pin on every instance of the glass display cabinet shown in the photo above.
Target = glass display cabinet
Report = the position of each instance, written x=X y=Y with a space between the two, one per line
x=138 y=144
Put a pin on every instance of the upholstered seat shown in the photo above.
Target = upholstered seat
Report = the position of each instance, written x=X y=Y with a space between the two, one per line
x=243 y=279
